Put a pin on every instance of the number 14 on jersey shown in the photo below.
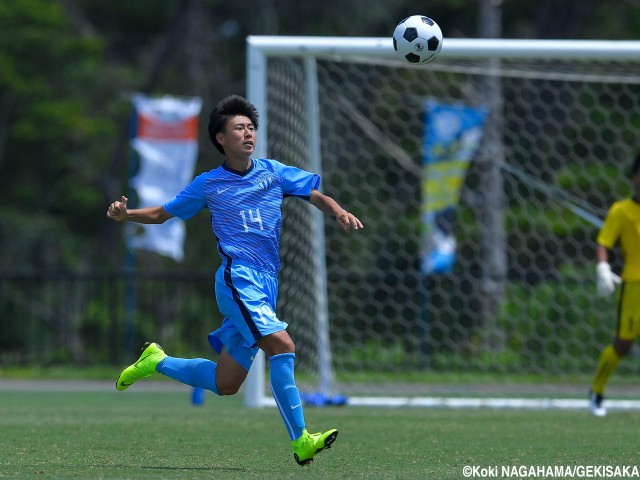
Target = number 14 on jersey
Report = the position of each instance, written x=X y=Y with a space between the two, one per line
x=253 y=217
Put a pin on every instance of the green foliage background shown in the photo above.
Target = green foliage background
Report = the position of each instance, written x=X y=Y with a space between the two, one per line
x=67 y=69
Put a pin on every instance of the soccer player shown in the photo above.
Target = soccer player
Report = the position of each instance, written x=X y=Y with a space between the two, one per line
x=622 y=227
x=244 y=196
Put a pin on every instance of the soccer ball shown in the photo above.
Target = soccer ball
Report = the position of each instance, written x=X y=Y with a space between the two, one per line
x=417 y=39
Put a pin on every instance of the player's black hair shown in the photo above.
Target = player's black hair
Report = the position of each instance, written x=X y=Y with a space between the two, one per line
x=636 y=165
x=227 y=108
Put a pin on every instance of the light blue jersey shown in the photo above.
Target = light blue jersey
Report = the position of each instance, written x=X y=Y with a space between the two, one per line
x=246 y=218
x=245 y=208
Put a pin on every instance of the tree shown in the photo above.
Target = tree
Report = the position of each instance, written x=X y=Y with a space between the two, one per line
x=51 y=154
x=66 y=68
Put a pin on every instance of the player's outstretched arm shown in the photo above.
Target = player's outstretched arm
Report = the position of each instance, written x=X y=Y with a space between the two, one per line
x=119 y=212
x=329 y=206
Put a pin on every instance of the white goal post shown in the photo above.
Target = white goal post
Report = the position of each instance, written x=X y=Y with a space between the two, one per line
x=423 y=335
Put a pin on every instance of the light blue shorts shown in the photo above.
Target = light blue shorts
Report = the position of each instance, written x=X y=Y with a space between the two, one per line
x=247 y=299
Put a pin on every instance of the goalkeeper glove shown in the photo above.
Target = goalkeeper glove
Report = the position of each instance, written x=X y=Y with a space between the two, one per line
x=607 y=280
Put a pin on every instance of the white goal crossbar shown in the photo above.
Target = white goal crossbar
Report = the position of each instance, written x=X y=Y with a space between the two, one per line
x=381 y=47
x=261 y=48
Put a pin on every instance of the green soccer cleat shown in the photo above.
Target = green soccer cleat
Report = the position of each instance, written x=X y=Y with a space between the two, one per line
x=150 y=357
x=305 y=447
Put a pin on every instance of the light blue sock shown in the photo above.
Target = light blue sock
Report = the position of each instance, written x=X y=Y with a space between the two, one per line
x=197 y=372
x=286 y=393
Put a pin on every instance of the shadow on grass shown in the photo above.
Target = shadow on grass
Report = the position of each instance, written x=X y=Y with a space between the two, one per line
x=204 y=469
x=159 y=467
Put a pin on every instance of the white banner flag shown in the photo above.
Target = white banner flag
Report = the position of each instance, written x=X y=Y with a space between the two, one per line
x=165 y=140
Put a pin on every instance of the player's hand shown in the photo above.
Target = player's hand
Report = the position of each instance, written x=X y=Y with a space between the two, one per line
x=118 y=210
x=607 y=280
x=348 y=221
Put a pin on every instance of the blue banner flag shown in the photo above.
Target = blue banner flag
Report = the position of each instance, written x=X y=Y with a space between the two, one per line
x=453 y=134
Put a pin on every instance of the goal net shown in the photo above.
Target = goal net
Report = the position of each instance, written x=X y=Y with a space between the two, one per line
x=482 y=179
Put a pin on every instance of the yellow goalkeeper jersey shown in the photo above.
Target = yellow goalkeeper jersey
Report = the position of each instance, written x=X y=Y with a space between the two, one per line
x=622 y=226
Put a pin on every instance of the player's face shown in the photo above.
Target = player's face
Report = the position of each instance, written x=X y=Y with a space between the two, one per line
x=238 y=137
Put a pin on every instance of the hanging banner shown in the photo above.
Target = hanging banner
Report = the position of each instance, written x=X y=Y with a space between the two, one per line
x=164 y=147
x=453 y=134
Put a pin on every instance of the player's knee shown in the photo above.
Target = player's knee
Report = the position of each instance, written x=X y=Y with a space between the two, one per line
x=275 y=344
x=622 y=347
x=286 y=345
x=225 y=389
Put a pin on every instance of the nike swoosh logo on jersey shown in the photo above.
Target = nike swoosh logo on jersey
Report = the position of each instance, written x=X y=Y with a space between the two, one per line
x=222 y=190
x=295 y=406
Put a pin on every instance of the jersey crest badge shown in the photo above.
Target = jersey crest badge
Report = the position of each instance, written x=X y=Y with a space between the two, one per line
x=265 y=182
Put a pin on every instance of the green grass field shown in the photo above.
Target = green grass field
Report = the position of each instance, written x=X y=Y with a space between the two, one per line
x=137 y=434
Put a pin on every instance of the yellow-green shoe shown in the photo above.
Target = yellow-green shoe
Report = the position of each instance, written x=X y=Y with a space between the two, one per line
x=151 y=355
x=306 y=447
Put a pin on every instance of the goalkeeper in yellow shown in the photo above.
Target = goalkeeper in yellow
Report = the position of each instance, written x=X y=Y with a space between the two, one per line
x=622 y=228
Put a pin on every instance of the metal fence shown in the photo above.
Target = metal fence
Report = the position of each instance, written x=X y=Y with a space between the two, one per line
x=101 y=318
